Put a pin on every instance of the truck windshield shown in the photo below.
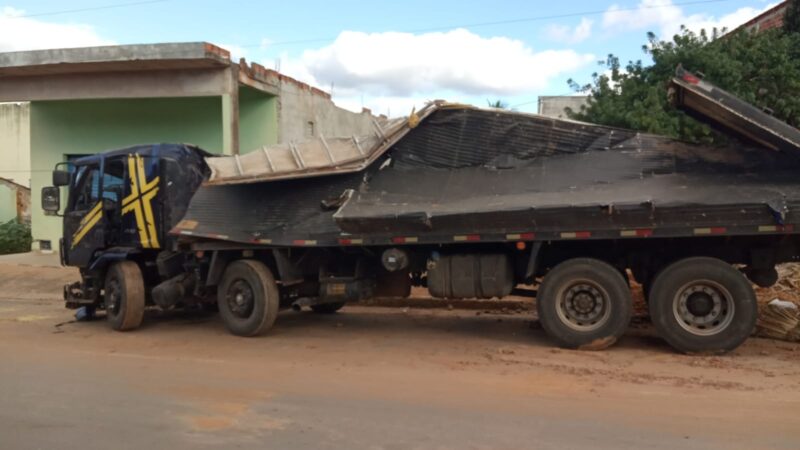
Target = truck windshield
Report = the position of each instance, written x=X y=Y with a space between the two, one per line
x=87 y=187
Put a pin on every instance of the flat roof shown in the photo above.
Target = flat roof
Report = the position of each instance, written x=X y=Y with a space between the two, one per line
x=113 y=58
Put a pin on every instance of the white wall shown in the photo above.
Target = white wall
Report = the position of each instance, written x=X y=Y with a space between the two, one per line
x=554 y=106
x=15 y=142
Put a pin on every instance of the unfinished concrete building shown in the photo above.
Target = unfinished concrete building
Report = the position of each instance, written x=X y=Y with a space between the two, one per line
x=87 y=100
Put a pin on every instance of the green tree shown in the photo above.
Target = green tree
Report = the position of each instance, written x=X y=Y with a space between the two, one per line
x=791 y=22
x=763 y=69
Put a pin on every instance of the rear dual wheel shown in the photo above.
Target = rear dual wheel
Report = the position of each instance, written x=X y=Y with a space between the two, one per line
x=703 y=305
x=584 y=303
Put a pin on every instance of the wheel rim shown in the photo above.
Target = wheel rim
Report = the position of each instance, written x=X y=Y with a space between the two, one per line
x=583 y=305
x=703 y=307
x=113 y=296
x=241 y=299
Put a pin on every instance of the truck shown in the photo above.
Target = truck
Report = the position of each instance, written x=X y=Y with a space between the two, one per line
x=466 y=202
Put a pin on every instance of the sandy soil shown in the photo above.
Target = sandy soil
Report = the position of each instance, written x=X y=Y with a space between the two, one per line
x=372 y=377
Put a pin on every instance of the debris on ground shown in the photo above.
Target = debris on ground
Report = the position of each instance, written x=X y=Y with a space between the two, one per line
x=779 y=306
x=779 y=320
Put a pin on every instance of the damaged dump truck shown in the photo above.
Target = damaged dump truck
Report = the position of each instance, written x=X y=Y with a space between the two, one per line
x=469 y=203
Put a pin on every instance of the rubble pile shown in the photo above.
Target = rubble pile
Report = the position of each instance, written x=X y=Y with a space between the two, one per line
x=779 y=306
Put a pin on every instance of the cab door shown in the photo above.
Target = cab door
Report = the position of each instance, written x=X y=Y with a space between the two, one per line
x=84 y=221
x=114 y=189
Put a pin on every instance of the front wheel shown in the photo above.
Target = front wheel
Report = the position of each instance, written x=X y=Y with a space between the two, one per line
x=248 y=298
x=584 y=303
x=123 y=293
x=703 y=305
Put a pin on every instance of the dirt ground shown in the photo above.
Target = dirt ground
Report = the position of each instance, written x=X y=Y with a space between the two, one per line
x=371 y=377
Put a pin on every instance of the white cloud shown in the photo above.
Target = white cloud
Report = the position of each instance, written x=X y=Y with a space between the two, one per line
x=405 y=64
x=21 y=33
x=570 y=35
x=665 y=18
x=388 y=105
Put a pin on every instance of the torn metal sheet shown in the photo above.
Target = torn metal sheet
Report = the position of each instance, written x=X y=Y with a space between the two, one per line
x=322 y=155
x=731 y=114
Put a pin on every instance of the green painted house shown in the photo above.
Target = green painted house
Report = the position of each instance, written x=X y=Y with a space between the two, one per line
x=87 y=100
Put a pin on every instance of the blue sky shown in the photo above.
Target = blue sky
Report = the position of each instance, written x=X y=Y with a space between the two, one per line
x=388 y=56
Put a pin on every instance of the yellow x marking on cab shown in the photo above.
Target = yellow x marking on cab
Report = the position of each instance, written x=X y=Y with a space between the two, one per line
x=139 y=201
x=88 y=221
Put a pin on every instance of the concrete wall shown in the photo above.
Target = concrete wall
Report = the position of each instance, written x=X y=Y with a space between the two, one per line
x=300 y=106
x=554 y=106
x=15 y=144
x=258 y=119
x=78 y=127
x=8 y=203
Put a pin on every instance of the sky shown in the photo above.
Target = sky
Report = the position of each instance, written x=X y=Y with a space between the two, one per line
x=388 y=56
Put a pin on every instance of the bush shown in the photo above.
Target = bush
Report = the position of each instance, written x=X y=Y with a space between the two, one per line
x=15 y=237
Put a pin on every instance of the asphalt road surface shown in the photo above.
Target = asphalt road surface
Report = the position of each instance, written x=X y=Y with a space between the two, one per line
x=373 y=378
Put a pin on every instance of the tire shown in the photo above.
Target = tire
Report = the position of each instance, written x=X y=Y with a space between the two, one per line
x=327 y=308
x=584 y=303
x=123 y=294
x=248 y=298
x=686 y=289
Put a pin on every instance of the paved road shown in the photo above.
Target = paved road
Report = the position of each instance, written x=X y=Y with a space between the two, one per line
x=375 y=378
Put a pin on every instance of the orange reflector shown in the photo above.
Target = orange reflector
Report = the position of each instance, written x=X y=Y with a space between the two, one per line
x=520 y=236
x=576 y=235
x=711 y=230
x=521 y=245
x=644 y=232
x=405 y=239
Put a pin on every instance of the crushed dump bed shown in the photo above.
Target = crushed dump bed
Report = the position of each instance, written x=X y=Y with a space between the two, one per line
x=470 y=174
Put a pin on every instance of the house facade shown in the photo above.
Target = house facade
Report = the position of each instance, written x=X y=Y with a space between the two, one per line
x=87 y=100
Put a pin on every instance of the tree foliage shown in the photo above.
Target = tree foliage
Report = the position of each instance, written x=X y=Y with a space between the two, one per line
x=15 y=237
x=791 y=23
x=762 y=69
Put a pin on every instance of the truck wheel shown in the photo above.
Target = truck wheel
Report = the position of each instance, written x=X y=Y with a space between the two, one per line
x=703 y=305
x=123 y=294
x=584 y=303
x=248 y=298
x=327 y=308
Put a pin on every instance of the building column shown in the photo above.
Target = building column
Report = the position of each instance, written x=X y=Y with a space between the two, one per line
x=230 y=113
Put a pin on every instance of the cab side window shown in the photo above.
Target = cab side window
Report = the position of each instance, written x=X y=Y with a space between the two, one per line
x=88 y=192
x=113 y=180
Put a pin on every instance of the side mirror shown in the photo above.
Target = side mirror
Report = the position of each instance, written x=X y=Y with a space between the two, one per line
x=51 y=200
x=61 y=178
